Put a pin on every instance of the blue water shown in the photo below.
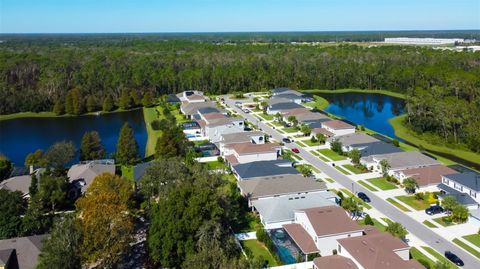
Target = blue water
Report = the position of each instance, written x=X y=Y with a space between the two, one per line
x=18 y=137
x=371 y=110
x=285 y=255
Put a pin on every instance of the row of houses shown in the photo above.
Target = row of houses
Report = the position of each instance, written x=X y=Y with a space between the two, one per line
x=299 y=208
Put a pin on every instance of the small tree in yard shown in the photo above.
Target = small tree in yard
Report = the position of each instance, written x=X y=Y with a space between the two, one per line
x=385 y=166
x=293 y=120
x=278 y=117
x=396 y=229
x=320 y=138
x=449 y=202
x=355 y=155
x=305 y=129
x=127 y=147
x=351 y=205
x=368 y=220
x=305 y=171
x=313 y=139
x=410 y=185
x=264 y=106
x=459 y=214
x=336 y=146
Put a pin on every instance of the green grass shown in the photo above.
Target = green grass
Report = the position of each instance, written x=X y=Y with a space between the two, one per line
x=329 y=180
x=332 y=155
x=314 y=169
x=277 y=124
x=366 y=185
x=319 y=103
x=259 y=250
x=443 y=221
x=127 y=172
x=439 y=257
x=417 y=255
x=382 y=183
x=376 y=223
x=28 y=115
x=414 y=203
x=467 y=247
x=149 y=115
x=399 y=206
x=408 y=135
x=310 y=143
x=429 y=224
x=352 y=168
x=473 y=238
x=290 y=130
x=215 y=165
x=342 y=170
x=266 y=116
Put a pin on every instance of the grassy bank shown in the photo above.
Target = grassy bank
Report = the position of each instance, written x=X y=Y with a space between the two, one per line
x=319 y=103
x=385 y=92
x=49 y=114
x=404 y=133
x=150 y=114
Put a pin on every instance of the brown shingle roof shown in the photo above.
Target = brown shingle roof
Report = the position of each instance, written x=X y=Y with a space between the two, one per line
x=211 y=116
x=295 y=111
x=250 y=148
x=330 y=220
x=195 y=97
x=428 y=175
x=322 y=131
x=301 y=238
x=231 y=159
x=376 y=251
x=334 y=262
x=338 y=124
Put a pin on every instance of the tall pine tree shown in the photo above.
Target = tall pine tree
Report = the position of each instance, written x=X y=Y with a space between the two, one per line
x=91 y=147
x=107 y=103
x=127 y=147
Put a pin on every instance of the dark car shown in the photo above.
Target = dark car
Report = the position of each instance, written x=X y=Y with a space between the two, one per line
x=434 y=209
x=286 y=140
x=296 y=150
x=454 y=258
x=364 y=197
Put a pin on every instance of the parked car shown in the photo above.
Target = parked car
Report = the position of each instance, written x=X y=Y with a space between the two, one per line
x=296 y=150
x=246 y=110
x=238 y=104
x=454 y=258
x=434 y=209
x=286 y=140
x=363 y=197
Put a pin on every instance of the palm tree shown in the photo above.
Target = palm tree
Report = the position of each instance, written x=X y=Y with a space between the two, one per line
x=385 y=166
x=410 y=185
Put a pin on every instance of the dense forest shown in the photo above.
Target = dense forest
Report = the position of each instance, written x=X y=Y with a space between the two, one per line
x=76 y=74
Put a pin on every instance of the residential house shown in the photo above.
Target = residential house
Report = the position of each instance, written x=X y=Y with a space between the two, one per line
x=366 y=144
x=398 y=161
x=277 y=211
x=283 y=90
x=291 y=97
x=18 y=183
x=249 y=152
x=240 y=137
x=173 y=99
x=338 y=127
x=463 y=186
x=193 y=97
x=317 y=229
x=294 y=112
x=213 y=128
x=310 y=118
x=20 y=252
x=333 y=262
x=323 y=131
x=276 y=186
x=280 y=107
x=425 y=176
x=81 y=175
x=191 y=109
x=377 y=250
x=263 y=169
x=191 y=128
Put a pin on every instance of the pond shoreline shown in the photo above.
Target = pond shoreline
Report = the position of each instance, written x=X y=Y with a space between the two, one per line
x=384 y=92
x=49 y=114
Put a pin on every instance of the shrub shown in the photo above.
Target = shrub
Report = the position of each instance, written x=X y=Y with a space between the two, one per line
x=396 y=143
x=419 y=196
x=368 y=220
x=156 y=125
x=334 y=252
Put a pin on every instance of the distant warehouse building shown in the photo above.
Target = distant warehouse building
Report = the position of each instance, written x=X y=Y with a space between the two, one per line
x=423 y=41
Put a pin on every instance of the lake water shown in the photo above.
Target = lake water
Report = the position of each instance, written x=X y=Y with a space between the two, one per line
x=371 y=110
x=18 y=137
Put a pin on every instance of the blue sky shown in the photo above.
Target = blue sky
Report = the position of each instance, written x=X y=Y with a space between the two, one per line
x=101 y=16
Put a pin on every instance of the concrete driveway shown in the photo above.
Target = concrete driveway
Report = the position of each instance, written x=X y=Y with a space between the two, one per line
x=419 y=230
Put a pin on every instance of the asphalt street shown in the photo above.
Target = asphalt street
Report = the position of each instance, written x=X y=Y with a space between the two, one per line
x=414 y=227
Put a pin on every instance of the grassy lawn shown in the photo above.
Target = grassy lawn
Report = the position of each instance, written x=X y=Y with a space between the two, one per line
x=310 y=143
x=443 y=221
x=417 y=255
x=319 y=103
x=332 y=155
x=382 y=183
x=49 y=114
x=399 y=206
x=439 y=256
x=342 y=170
x=467 y=247
x=376 y=223
x=127 y=172
x=473 y=238
x=429 y=224
x=266 y=116
x=215 y=165
x=259 y=250
x=385 y=92
x=366 y=185
x=329 y=180
x=314 y=169
x=277 y=124
x=290 y=130
x=149 y=115
x=414 y=203
x=347 y=192
x=404 y=133
x=352 y=168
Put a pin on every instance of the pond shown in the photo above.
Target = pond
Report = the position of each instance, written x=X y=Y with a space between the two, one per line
x=371 y=110
x=18 y=137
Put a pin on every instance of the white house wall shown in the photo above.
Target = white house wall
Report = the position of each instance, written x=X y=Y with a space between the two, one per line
x=270 y=156
x=327 y=244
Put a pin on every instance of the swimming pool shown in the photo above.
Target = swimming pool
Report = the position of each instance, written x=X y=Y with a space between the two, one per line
x=285 y=248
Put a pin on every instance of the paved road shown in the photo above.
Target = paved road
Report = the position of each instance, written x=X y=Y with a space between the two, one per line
x=419 y=230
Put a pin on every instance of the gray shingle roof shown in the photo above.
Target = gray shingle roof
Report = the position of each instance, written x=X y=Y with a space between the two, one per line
x=264 y=169
x=285 y=106
x=27 y=249
x=19 y=183
x=376 y=148
x=283 y=208
x=289 y=95
x=462 y=198
x=312 y=116
x=355 y=139
x=279 y=185
x=239 y=137
x=192 y=108
x=206 y=110
x=470 y=180
x=403 y=160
